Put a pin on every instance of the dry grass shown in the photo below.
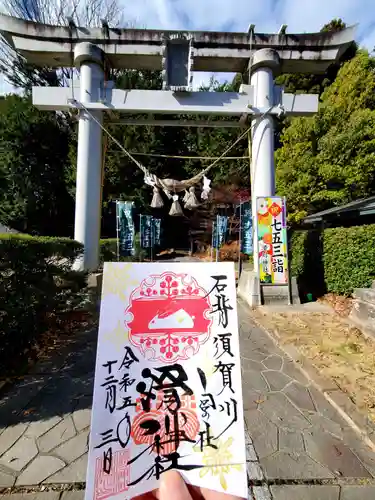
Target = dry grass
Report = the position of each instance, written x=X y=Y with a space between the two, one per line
x=341 y=305
x=336 y=349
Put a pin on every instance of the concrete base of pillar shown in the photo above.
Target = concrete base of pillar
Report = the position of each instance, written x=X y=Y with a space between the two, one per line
x=248 y=290
x=94 y=286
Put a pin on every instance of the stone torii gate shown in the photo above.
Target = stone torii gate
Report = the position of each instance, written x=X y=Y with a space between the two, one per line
x=177 y=54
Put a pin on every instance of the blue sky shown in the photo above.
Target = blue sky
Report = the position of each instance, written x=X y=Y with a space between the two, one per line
x=236 y=15
x=267 y=15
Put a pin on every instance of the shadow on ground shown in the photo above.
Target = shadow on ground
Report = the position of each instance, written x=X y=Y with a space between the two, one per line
x=53 y=387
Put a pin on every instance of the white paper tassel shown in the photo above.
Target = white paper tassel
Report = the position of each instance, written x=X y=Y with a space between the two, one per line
x=167 y=194
x=192 y=201
x=176 y=209
x=206 y=188
x=157 y=200
x=149 y=181
x=186 y=196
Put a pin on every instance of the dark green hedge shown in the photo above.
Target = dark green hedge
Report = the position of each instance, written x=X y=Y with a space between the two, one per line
x=108 y=251
x=36 y=281
x=334 y=259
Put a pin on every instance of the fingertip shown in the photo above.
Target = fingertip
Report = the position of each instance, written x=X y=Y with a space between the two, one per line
x=173 y=487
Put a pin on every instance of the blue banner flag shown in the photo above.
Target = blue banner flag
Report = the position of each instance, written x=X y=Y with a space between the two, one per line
x=146 y=231
x=125 y=227
x=214 y=235
x=221 y=230
x=246 y=228
x=156 y=226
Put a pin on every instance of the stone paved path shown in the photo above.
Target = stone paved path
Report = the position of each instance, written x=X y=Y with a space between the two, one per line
x=293 y=434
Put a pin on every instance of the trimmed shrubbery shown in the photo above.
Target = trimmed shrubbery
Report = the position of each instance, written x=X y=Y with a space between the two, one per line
x=333 y=260
x=108 y=251
x=36 y=282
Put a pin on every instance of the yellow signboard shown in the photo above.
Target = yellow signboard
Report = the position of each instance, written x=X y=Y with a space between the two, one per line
x=272 y=240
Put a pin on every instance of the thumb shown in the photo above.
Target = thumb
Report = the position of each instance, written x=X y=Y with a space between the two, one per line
x=173 y=487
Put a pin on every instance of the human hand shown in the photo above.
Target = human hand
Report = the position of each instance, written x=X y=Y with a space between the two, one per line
x=173 y=487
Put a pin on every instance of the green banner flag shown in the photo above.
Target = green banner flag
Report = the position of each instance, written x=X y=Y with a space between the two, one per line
x=125 y=227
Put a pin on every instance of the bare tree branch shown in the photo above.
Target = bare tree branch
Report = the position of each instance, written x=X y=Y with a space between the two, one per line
x=84 y=12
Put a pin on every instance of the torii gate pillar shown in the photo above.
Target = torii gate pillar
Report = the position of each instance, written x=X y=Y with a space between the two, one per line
x=265 y=65
x=89 y=59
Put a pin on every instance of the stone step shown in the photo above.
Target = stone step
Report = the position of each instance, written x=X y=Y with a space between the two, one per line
x=365 y=294
x=363 y=311
x=367 y=327
x=248 y=290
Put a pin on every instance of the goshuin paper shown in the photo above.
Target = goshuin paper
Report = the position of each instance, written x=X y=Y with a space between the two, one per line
x=167 y=392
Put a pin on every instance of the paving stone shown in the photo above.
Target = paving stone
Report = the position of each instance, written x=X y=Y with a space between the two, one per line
x=12 y=403
x=40 y=427
x=73 y=495
x=363 y=452
x=80 y=362
x=45 y=495
x=320 y=423
x=344 y=402
x=256 y=423
x=265 y=438
x=294 y=372
x=291 y=441
x=249 y=364
x=248 y=439
x=363 y=492
x=73 y=473
x=7 y=477
x=254 y=471
x=82 y=413
x=300 y=396
x=262 y=343
x=60 y=433
x=255 y=381
x=74 y=448
x=250 y=453
x=333 y=453
x=263 y=433
x=10 y=435
x=283 y=465
x=49 y=403
x=306 y=492
x=324 y=407
x=276 y=380
x=325 y=383
x=253 y=355
x=39 y=470
x=20 y=454
x=68 y=390
x=250 y=450
x=243 y=331
x=281 y=411
x=367 y=458
x=252 y=399
x=273 y=362
x=261 y=493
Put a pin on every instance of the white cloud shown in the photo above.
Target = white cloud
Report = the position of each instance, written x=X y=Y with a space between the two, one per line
x=267 y=15
x=237 y=15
